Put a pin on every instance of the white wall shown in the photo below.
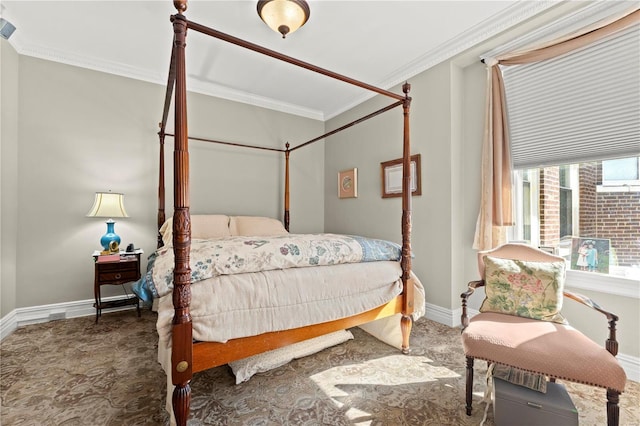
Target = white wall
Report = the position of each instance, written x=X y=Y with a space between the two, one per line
x=438 y=213
x=8 y=175
x=82 y=131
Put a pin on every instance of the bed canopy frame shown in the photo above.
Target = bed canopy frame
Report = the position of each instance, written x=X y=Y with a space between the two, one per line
x=187 y=356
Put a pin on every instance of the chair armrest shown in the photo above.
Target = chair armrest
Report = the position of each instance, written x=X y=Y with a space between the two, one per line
x=471 y=287
x=611 y=343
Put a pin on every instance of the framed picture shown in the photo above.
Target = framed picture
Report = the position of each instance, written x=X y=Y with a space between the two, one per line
x=348 y=183
x=392 y=177
x=590 y=254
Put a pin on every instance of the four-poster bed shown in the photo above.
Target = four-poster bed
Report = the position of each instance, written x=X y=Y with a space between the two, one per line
x=189 y=355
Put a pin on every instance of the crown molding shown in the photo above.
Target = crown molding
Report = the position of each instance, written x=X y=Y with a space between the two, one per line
x=220 y=91
x=92 y=63
x=587 y=14
x=508 y=18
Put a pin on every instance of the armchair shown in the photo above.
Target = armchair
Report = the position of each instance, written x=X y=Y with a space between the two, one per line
x=546 y=347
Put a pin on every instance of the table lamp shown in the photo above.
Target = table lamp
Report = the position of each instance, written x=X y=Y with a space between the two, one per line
x=108 y=204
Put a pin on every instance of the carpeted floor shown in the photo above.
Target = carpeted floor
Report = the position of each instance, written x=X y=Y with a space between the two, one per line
x=74 y=372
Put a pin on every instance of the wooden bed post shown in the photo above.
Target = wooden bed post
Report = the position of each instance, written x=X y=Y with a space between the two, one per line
x=407 y=283
x=286 y=187
x=161 y=203
x=182 y=343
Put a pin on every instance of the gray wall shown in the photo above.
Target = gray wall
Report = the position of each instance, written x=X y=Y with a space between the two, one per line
x=447 y=122
x=439 y=213
x=82 y=131
x=8 y=175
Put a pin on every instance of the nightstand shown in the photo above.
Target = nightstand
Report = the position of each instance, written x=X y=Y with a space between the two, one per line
x=120 y=271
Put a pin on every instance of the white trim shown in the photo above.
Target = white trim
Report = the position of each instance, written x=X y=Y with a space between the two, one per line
x=511 y=17
x=591 y=13
x=45 y=313
x=602 y=283
x=631 y=366
x=623 y=187
x=519 y=12
x=8 y=324
x=442 y=315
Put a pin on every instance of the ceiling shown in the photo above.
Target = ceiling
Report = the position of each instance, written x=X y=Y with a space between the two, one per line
x=382 y=43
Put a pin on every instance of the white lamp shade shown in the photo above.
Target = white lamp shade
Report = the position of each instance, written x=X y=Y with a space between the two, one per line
x=108 y=204
x=283 y=16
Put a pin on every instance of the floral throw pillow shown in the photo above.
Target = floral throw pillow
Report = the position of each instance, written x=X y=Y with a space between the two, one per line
x=524 y=289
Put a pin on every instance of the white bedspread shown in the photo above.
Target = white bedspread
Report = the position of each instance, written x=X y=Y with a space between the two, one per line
x=232 y=306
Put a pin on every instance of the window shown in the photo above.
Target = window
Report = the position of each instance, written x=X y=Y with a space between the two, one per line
x=561 y=207
x=621 y=175
x=575 y=138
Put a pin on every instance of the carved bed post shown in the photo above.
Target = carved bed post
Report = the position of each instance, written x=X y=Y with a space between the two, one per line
x=286 y=187
x=182 y=344
x=407 y=283
x=161 y=203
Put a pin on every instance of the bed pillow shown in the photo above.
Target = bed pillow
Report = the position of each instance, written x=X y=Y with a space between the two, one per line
x=253 y=226
x=247 y=367
x=203 y=226
x=525 y=289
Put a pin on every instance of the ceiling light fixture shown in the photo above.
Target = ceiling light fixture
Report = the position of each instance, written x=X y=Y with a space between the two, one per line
x=284 y=16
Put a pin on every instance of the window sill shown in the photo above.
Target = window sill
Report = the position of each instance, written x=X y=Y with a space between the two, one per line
x=608 y=284
x=625 y=187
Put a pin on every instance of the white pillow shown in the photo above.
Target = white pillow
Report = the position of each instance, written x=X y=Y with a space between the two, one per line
x=255 y=226
x=203 y=226
x=247 y=367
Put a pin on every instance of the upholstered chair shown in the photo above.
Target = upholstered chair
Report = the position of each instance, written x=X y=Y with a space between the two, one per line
x=510 y=331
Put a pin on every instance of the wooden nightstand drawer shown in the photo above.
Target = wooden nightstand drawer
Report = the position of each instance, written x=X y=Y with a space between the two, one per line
x=121 y=275
x=123 y=265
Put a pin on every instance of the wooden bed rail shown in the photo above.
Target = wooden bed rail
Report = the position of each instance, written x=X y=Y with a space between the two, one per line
x=277 y=55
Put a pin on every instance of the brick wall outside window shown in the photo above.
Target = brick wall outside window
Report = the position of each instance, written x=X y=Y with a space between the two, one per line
x=618 y=219
x=550 y=206
x=609 y=215
x=588 y=177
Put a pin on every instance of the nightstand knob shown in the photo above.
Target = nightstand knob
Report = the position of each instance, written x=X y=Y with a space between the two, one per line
x=118 y=276
x=182 y=366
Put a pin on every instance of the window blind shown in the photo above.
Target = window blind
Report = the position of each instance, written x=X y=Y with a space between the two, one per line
x=583 y=106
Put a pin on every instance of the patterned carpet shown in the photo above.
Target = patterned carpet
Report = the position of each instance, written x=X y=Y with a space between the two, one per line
x=74 y=372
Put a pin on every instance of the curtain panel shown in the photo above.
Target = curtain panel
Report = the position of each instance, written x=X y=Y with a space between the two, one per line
x=496 y=199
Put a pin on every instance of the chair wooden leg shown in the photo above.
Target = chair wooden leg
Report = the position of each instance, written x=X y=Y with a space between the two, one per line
x=613 y=409
x=469 y=387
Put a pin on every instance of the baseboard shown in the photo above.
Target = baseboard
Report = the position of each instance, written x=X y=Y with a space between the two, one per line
x=631 y=365
x=45 y=313
x=439 y=314
x=8 y=324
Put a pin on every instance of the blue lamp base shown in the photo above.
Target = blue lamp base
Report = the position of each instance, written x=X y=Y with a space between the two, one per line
x=110 y=241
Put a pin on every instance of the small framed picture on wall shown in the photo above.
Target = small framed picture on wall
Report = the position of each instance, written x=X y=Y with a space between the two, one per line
x=348 y=183
x=392 y=177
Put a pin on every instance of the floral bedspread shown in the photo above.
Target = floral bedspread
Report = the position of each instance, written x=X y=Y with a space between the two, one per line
x=237 y=255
